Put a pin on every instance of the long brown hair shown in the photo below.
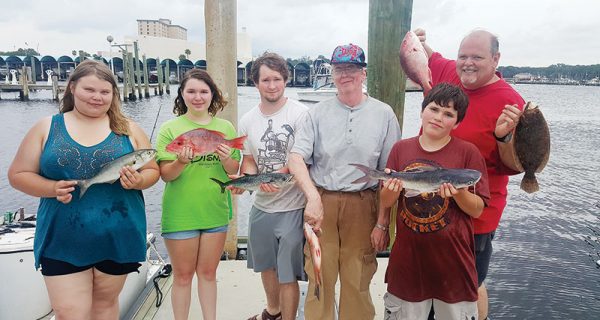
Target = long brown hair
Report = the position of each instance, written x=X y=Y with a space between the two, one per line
x=119 y=124
x=216 y=104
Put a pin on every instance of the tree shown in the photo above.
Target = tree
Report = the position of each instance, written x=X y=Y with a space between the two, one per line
x=187 y=53
x=182 y=57
x=20 y=52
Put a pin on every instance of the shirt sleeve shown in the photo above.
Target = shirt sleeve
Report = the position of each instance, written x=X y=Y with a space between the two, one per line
x=243 y=130
x=305 y=139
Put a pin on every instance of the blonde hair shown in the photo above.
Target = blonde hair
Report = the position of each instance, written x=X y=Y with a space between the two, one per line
x=119 y=123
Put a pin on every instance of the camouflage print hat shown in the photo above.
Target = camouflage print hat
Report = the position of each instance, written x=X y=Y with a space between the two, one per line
x=349 y=53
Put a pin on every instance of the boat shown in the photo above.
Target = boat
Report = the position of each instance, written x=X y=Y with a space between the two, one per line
x=324 y=88
x=23 y=294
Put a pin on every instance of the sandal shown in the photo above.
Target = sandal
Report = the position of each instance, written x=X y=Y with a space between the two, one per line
x=266 y=316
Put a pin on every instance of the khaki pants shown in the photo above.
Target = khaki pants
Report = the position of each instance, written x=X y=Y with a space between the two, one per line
x=349 y=218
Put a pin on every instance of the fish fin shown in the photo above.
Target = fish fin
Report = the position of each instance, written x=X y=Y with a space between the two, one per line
x=529 y=183
x=250 y=191
x=250 y=174
x=219 y=133
x=83 y=186
x=363 y=179
x=220 y=183
x=409 y=193
x=422 y=169
x=237 y=143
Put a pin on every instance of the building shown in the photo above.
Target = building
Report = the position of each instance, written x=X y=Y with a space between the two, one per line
x=161 y=28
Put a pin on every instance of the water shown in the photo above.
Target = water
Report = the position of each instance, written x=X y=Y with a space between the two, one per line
x=547 y=245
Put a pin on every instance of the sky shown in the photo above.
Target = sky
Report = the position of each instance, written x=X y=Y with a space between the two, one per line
x=531 y=32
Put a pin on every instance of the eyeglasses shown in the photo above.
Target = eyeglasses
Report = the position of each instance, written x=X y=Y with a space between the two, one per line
x=348 y=70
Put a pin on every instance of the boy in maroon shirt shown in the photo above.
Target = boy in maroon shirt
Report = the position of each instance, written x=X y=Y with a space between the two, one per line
x=432 y=261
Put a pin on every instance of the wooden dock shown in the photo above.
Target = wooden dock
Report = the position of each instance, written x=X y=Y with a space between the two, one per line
x=240 y=294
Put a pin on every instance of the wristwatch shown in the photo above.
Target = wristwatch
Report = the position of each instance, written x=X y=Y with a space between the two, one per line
x=382 y=227
x=504 y=139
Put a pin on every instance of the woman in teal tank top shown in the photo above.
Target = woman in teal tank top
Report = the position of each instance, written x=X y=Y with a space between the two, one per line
x=85 y=245
x=195 y=211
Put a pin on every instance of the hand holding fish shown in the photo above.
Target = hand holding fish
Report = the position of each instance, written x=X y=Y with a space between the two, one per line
x=130 y=178
x=185 y=155
x=390 y=191
x=63 y=190
x=507 y=121
x=223 y=151
x=234 y=189
x=421 y=35
x=447 y=190
x=313 y=213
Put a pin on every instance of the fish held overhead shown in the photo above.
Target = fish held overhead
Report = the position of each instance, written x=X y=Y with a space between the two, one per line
x=422 y=179
x=415 y=62
x=110 y=171
x=203 y=142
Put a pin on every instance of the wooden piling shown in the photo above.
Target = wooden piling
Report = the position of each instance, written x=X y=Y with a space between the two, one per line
x=125 y=76
x=55 y=90
x=221 y=58
x=132 y=96
x=138 y=75
x=146 y=77
x=388 y=23
x=33 y=70
x=167 y=78
x=24 y=92
x=159 y=74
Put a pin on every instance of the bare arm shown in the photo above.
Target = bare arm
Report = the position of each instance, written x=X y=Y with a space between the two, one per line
x=170 y=170
x=23 y=173
x=468 y=202
x=149 y=173
x=423 y=38
x=230 y=165
x=313 y=213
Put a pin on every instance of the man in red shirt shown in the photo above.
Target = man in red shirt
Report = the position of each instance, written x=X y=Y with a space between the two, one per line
x=493 y=113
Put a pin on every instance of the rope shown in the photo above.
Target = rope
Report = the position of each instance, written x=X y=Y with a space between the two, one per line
x=165 y=272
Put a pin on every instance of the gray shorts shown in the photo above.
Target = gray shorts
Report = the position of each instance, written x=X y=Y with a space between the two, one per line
x=275 y=241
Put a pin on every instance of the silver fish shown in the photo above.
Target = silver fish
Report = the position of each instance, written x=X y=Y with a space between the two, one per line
x=110 y=171
x=423 y=179
x=252 y=182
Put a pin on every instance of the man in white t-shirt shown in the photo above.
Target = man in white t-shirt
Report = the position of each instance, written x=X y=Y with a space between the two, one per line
x=275 y=234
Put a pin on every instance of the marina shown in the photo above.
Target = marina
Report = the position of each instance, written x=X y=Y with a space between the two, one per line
x=546 y=248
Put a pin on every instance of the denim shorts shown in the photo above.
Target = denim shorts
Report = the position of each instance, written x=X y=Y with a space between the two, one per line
x=189 y=234
x=483 y=254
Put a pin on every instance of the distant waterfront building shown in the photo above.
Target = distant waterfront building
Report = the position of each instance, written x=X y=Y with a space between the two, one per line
x=161 y=28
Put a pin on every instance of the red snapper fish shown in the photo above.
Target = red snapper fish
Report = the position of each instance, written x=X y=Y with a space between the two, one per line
x=203 y=142
x=315 y=255
x=414 y=61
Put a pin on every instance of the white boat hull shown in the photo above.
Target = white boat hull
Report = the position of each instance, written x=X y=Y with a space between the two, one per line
x=23 y=294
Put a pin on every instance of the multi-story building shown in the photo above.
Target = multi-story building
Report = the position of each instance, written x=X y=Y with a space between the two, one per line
x=161 y=28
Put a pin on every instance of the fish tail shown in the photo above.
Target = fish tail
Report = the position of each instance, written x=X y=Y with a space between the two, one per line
x=365 y=170
x=220 y=183
x=529 y=183
x=83 y=186
x=237 y=143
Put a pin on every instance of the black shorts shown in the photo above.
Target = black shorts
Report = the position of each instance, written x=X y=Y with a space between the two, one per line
x=51 y=267
x=483 y=253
